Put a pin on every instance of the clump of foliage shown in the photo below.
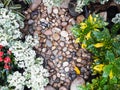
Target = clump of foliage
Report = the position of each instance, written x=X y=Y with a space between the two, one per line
x=116 y=19
x=105 y=46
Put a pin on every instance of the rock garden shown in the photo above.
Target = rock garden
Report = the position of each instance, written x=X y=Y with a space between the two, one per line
x=59 y=44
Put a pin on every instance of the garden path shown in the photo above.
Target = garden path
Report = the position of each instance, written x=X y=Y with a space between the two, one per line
x=57 y=45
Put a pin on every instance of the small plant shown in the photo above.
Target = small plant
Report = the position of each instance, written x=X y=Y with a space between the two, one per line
x=104 y=45
x=116 y=19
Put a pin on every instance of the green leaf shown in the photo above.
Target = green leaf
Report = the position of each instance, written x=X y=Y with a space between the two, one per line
x=113 y=80
x=106 y=70
x=109 y=56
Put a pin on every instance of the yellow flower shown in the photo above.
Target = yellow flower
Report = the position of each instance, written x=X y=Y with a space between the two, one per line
x=99 y=67
x=111 y=74
x=88 y=36
x=77 y=40
x=95 y=19
x=98 y=45
x=83 y=45
x=76 y=70
x=83 y=25
x=90 y=18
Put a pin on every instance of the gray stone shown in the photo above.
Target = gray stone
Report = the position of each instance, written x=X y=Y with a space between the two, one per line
x=55 y=11
x=49 y=43
x=30 y=21
x=65 y=64
x=55 y=52
x=77 y=82
x=64 y=33
x=66 y=69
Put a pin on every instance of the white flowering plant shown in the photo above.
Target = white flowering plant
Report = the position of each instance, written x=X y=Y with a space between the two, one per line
x=28 y=68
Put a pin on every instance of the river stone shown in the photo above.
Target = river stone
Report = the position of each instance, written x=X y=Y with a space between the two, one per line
x=62 y=88
x=55 y=11
x=48 y=32
x=49 y=43
x=64 y=33
x=56 y=36
x=65 y=64
x=49 y=88
x=77 y=82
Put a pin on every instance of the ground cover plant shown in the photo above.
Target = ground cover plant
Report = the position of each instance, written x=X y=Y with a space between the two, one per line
x=104 y=45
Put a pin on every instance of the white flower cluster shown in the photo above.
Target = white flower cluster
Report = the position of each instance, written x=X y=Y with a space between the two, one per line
x=34 y=75
x=117 y=1
x=116 y=19
x=9 y=26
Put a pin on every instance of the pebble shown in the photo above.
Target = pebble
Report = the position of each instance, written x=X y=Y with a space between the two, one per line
x=65 y=49
x=77 y=82
x=80 y=19
x=79 y=60
x=64 y=33
x=48 y=32
x=65 y=64
x=49 y=88
x=62 y=88
x=49 y=43
x=64 y=24
x=56 y=36
x=30 y=21
x=66 y=69
x=55 y=11
x=44 y=50
x=55 y=52
x=62 y=44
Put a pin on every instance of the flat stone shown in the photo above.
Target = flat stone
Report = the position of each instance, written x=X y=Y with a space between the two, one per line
x=64 y=33
x=77 y=82
x=65 y=49
x=35 y=4
x=80 y=19
x=55 y=52
x=68 y=28
x=65 y=64
x=65 y=4
x=62 y=44
x=49 y=88
x=63 y=88
x=79 y=60
x=56 y=36
x=64 y=24
x=44 y=50
x=48 y=43
x=48 y=32
x=104 y=15
x=55 y=11
x=30 y=21
x=56 y=30
x=49 y=10
x=66 y=69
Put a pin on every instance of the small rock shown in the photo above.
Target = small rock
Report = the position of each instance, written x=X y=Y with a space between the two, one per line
x=64 y=24
x=56 y=36
x=66 y=69
x=30 y=21
x=60 y=57
x=68 y=28
x=49 y=88
x=80 y=19
x=62 y=88
x=48 y=32
x=64 y=33
x=44 y=50
x=51 y=64
x=65 y=49
x=38 y=28
x=55 y=52
x=104 y=15
x=77 y=82
x=65 y=4
x=54 y=77
x=56 y=30
x=62 y=44
x=55 y=11
x=49 y=43
x=79 y=60
x=49 y=10
x=65 y=64
x=72 y=21
x=35 y=4
x=68 y=52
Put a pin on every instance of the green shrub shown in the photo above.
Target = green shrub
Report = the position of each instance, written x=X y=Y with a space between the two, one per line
x=105 y=47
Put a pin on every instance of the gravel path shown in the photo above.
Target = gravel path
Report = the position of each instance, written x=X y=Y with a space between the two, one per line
x=57 y=45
